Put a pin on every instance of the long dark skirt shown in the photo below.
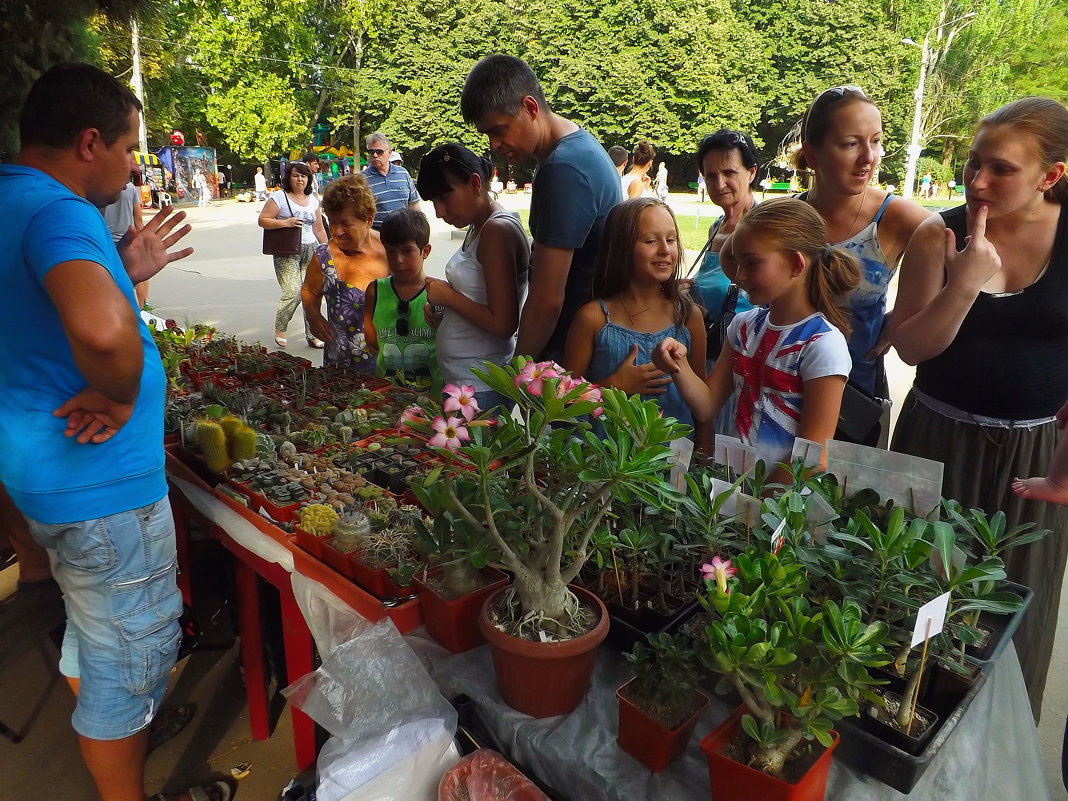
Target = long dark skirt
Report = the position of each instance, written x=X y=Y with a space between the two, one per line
x=980 y=464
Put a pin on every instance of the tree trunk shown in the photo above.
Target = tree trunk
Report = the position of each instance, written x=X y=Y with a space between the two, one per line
x=461 y=578
x=552 y=602
x=771 y=760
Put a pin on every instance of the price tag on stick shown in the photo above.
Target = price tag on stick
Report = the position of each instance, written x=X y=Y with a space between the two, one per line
x=931 y=619
x=730 y=505
x=810 y=453
x=681 y=453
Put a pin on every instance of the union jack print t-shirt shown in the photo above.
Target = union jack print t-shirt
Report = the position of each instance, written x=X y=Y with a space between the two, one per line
x=771 y=365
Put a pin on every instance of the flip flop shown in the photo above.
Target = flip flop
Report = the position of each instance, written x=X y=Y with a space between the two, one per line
x=316 y=343
x=202 y=793
x=168 y=724
x=280 y=342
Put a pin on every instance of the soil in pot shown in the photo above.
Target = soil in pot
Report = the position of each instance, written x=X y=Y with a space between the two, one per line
x=655 y=735
x=728 y=750
x=882 y=722
x=543 y=679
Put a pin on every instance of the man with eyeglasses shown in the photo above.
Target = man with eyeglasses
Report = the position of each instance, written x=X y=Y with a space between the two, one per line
x=393 y=187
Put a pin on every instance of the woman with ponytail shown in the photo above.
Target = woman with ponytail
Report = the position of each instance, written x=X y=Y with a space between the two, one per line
x=486 y=279
x=789 y=360
x=982 y=311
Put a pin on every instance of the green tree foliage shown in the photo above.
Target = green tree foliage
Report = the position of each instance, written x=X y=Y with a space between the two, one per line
x=1042 y=64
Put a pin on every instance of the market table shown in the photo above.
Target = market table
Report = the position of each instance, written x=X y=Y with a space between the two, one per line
x=261 y=549
x=992 y=755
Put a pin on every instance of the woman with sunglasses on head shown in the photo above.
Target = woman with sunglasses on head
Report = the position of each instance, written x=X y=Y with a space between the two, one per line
x=982 y=312
x=340 y=271
x=841 y=142
x=485 y=280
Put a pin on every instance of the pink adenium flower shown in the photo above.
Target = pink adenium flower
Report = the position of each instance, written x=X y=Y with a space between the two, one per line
x=533 y=375
x=462 y=400
x=450 y=433
x=412 y=414
x=719 y=570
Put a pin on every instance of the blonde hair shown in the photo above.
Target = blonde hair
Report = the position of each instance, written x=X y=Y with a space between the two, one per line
x=1046 y=121
x=794 y=226
x=351 y=193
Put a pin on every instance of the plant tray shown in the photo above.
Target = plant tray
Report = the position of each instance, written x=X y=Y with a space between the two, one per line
x=628 y=626
x=869 y=754
x=310 y=542
x=1002 y=627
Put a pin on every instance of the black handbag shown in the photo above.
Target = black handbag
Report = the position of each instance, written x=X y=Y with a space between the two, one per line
x=282 y=241
x=716 y=329
x=859 y=417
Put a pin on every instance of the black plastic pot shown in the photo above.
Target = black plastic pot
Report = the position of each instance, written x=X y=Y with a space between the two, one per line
x=865 y=752
x=629 y=626
x=1001 y=627
x=909 y=743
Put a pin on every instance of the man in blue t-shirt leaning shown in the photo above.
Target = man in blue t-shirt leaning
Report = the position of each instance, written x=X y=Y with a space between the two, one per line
x=575 y=187
x=81 y=410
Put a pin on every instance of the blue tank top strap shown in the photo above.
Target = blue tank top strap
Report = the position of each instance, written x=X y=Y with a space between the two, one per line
x=882 y=208
x=604 y=309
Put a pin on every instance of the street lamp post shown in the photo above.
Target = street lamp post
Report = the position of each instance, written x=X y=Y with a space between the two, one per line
x=915 y=146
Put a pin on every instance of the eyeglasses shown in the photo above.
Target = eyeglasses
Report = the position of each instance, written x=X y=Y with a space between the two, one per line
x=376 y=151
x=402 y=317
x=834 y=91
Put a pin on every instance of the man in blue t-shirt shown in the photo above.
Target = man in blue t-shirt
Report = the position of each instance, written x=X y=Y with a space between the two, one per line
x=393 y=187
x=81 y=409
x=575 y=187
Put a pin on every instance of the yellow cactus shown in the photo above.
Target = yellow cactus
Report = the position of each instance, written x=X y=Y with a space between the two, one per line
x=212 y=443
x=242 y=443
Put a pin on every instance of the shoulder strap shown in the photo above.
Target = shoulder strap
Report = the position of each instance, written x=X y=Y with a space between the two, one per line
x=882 y=208
x=604 y=308
x=707 y=246
x=730 y=302
x=288 y=204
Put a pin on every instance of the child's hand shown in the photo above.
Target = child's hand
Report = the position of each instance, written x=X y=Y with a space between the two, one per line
x=639 y=379
x=670 y=356
x=432 y=315
x=438 y=291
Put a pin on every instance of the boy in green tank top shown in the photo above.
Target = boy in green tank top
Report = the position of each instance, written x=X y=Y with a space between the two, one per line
x=395 y=323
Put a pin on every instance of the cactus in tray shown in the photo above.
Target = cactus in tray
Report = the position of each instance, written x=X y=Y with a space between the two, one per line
x=287 y=450
x=230 y=424
x=243 y=443
x=344 y=433
x=318 y=519
x=211 y=440
x=265 y=446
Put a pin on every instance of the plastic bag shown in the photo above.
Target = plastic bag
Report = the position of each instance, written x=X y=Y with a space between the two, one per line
x=392 y=730
x=485 y=775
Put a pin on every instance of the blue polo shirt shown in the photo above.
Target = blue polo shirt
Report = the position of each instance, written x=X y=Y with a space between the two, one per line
x=52 y=478
x=393 y=191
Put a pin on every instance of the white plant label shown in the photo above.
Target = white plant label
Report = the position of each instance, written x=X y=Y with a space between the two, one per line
x=730 y=506
x=809 y=452
x=681 y=454
x=935 y=612
x=720 y=450
x=748 y=509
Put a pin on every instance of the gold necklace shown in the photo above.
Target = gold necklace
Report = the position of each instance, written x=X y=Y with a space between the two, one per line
x=632 y=316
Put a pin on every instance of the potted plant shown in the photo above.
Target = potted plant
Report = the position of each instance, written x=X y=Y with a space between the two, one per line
x=659 y=707
x=798 y=666
x=545 y=481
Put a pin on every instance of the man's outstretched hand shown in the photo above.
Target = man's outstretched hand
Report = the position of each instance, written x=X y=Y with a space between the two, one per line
x=93 y=417
x=144 y=253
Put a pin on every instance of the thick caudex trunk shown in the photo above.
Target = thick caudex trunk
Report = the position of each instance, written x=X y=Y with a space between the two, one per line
x=771 y=760
x=461 y=578
x=550 y=602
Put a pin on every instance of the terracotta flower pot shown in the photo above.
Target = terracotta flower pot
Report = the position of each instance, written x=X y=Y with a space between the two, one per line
x=543 y=679
x=454 y=623
x=733 y=781
x=647 y=739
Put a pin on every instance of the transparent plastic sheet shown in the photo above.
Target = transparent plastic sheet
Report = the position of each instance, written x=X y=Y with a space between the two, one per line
x=992 y=755
x=392 y=730
x=485 y=775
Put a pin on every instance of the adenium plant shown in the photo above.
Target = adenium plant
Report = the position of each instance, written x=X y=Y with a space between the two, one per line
x=543 y=481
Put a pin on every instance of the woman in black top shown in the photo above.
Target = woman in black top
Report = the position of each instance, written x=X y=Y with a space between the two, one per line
x=987 y=327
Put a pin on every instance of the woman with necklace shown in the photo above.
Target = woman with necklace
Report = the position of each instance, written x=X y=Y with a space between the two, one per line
x=485 y=280
x=639 y=304
x=340 y=271
x=983 y=314
x=841 y=142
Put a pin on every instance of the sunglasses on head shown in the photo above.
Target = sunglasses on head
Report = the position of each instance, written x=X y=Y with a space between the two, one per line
x=376 y=151
x=834 y=91
x=402 y=317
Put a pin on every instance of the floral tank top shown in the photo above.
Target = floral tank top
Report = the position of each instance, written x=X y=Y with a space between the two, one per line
x=344 y=312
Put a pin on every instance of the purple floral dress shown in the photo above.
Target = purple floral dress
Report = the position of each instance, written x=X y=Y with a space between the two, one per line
x=344 y=312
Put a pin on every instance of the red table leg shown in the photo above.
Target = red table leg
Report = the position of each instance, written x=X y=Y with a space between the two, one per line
x=181 y=542
x=252 y=657
x=298 y=647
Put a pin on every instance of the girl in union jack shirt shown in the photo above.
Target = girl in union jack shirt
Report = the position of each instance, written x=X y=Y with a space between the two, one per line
x=788 y=357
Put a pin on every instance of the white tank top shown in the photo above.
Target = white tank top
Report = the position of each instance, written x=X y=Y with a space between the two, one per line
x=462 y=344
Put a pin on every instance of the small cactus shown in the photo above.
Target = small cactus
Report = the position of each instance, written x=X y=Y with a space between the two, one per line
x=243 y=443
x=212 y=443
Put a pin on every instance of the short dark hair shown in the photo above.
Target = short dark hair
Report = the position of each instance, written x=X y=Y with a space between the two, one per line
x=726 y=139
x=70 y=97
x=618 y=155
x=310 y=157
x=498 y=83
x=405 y=225
x=448 y=165
x=303 y=169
